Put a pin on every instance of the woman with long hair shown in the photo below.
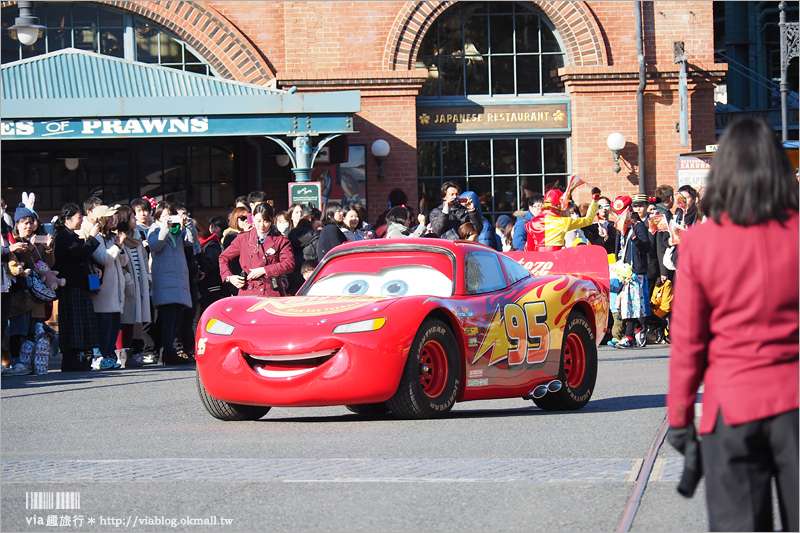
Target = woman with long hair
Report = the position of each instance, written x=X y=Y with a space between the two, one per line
x=398 y=223
x=304 y=239
x=351 y=224
x=136 y=307
x=77 y=325
x=331 y=234
x=283 y=223
x=735 y=329
x=264 y=254
x=170 y=274
x=237 y=223
x=109 y=300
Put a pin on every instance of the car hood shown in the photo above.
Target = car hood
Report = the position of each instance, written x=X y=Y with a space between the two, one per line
x=299 y=310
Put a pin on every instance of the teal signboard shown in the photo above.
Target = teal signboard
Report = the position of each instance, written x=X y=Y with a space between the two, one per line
x=308 y=193
x=177 y=126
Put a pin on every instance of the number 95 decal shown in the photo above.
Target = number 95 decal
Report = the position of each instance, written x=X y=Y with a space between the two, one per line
x=517 y=333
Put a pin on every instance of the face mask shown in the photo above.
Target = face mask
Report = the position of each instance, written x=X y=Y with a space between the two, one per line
x=282 y=226
x=175 y=229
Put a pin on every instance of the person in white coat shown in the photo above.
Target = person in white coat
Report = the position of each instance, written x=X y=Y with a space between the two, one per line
x=136 y=307
x=108 y=301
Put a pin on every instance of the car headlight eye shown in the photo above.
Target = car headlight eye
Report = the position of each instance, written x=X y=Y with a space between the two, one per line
x=372 y=324
x=218 y=327
x=355 y=288
x=396 y=287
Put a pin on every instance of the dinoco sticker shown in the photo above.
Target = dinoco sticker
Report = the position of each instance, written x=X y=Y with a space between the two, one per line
x=300 y=306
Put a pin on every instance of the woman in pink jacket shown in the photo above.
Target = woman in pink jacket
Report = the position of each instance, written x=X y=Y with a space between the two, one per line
x=735 y=329
x=264 y=255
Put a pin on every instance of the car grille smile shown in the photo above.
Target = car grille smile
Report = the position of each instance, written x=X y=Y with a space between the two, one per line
x=287 y=365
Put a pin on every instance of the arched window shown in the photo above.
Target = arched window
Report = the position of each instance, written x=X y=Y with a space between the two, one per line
x=490 y=48
x=484 y=54
x=103 y=30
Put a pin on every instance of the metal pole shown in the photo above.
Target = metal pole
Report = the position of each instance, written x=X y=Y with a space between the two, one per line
x=302 y=152
x=683 y=92
x=784 y=82
x=640 y=95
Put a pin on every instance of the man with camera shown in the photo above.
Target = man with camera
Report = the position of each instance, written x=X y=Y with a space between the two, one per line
x=454 y=211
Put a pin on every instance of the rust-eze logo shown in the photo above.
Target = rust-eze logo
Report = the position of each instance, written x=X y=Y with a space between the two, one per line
x=311 y=306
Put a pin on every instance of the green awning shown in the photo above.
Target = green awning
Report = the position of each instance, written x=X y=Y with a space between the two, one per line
x=74 y=94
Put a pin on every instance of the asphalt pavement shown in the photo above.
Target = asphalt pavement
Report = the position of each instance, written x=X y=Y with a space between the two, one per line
x=134 y=449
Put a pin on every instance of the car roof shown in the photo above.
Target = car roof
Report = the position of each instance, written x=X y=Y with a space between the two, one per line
x=458 y=247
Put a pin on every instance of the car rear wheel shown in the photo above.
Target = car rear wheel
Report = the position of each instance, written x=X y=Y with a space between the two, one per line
x=432 y=374
x=578 y=371
x=369 y=408
x=229 y=412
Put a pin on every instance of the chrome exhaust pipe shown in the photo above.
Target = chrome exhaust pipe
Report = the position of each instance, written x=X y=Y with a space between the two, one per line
x=539 y=391
x=554 y=386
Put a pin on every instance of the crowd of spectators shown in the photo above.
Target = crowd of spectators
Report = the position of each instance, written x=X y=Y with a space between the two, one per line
x=137 y=277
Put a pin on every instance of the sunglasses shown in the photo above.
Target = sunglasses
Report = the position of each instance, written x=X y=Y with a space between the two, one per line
x=602 y=206
x=242 y=218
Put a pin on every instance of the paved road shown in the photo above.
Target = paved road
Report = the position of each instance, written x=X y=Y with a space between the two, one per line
x=136 y=446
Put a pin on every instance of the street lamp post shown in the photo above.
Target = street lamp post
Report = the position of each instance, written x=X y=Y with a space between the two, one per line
x=616 y=142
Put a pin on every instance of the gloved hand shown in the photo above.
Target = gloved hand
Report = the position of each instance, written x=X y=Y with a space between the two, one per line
x=595 y=193
x=685 y=441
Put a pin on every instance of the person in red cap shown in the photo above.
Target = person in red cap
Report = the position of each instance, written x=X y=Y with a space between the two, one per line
x=546 y=231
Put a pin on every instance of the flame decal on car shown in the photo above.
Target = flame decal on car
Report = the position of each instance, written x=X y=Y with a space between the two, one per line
x=519 y=331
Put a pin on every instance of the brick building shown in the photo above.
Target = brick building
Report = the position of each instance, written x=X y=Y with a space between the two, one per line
x=506 y=98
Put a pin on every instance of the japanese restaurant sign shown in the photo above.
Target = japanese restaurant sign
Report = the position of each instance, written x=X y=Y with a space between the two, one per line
x=478 y=118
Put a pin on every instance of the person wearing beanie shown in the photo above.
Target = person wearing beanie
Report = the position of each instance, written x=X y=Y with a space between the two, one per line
x=547 y=231
x=24 y=312
x=504 y=227
x=485 y=234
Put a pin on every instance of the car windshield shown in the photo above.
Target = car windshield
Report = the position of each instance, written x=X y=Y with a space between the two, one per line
x=385 y=274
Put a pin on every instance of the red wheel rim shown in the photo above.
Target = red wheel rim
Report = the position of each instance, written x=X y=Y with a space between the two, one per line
x=574 y=360
x=433 y=368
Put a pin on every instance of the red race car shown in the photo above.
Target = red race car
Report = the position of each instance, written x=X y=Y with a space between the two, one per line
x=411 y=326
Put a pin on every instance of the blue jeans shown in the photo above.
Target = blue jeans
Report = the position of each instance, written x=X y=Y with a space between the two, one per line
x=107 y=330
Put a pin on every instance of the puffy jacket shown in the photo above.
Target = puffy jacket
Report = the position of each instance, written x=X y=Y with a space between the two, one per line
x=169 y=271
x=487 y=234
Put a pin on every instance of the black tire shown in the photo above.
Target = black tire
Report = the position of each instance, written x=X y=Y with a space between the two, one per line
x=432 y=375
x=578 y=367
x=369 y=408
x=229 y=412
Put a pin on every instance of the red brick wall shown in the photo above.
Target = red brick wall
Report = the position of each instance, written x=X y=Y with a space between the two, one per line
x=372 y=46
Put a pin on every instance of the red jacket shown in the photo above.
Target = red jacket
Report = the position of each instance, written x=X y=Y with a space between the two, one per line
x=253 y=255
x=735 y=323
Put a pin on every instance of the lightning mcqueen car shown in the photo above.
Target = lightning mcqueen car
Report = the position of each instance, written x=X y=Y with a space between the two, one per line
x=411 y=326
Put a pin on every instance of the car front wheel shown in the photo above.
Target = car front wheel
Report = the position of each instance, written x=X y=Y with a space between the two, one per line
x=432 y=374
x=229 y=412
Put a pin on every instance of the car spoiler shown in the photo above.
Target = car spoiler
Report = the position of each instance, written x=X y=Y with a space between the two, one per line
x=584 y=261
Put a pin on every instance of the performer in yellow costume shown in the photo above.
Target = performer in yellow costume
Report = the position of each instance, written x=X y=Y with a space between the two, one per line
x=546 y=231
